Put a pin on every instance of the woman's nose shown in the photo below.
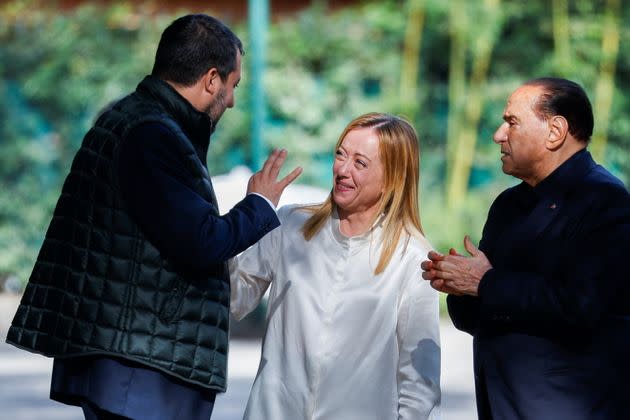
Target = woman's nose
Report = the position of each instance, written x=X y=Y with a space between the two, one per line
x=342 y=168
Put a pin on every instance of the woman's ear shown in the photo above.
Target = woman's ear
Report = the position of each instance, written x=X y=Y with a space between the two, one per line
x=558 y=130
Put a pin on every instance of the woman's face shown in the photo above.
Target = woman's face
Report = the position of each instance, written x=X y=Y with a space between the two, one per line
x=358 y=173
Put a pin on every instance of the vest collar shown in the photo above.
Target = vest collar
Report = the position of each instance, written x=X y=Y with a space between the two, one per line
x=197 y=125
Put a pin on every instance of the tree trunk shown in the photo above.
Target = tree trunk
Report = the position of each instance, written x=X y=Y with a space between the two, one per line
x=561 y=37
x=458 y=24
x=466 y=136
x=605 y=86
x=409 y=83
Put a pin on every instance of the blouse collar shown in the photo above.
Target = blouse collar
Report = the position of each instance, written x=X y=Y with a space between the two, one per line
x=357 y=239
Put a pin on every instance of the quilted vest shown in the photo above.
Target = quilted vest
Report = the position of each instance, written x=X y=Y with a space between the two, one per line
x=100 y=287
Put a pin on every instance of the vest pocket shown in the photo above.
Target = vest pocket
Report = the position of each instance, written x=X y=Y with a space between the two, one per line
x=173 y=302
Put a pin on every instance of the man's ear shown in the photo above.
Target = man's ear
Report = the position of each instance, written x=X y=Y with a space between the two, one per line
x=211 y=80
x=558 y=130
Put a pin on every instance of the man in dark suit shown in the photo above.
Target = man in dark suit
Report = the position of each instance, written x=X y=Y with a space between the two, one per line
x=547 y=294
x=130 y=292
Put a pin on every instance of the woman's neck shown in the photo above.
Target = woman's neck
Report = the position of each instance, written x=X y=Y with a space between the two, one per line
x=355 y=224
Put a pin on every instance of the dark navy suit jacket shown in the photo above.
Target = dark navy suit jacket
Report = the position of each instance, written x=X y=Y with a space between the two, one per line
x=551 y=324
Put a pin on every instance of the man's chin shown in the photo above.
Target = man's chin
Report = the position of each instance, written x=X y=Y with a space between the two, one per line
x=215 y=118
x=215 y=122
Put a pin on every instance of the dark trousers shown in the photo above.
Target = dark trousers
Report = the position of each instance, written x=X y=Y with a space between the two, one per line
x=115 y=389
x=92 y=412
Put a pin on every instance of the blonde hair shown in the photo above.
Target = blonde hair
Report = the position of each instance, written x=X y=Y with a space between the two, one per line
x=400 y=153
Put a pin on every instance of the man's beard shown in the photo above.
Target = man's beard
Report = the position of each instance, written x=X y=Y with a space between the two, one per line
x=217 y=108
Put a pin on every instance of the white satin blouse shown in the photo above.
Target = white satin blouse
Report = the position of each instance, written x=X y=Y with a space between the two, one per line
x=341 y=343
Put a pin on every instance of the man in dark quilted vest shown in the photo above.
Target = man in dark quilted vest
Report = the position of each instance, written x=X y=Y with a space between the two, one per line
x=130 y=291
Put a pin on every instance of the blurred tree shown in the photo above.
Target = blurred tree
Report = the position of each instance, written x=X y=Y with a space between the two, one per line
x=561 y=36
x=409 y=69
x=605 y=85
x=57 y=70
x=469 y=97
x=322 y=73
x=26 y=176
x=458 y=31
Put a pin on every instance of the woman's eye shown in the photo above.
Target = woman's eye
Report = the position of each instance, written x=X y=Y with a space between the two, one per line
x=361 y=163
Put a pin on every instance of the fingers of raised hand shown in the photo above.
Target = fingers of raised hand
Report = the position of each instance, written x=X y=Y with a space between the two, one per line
x=290 y=177
x=277 y=163
x=272 y=166
x=269 y=162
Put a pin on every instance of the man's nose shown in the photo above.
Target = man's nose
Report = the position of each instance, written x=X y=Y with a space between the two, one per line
x=501 y=134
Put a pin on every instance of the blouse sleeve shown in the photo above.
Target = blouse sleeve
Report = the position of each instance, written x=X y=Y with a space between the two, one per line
x=419 y=350
x=251 y=272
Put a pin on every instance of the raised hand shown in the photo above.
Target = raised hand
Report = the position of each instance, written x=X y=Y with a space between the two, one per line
x=265 y=183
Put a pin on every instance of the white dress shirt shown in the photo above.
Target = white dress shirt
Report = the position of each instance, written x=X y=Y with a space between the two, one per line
x=341 y=343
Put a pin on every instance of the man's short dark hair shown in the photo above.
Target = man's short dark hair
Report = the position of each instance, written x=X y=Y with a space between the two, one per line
x=565 y=98
x=193 y=44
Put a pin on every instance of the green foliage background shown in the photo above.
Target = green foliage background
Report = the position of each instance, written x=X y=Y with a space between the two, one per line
x=57 y=70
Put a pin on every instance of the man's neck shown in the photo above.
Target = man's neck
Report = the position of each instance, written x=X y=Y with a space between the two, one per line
x=190 y=93
x=555 y=160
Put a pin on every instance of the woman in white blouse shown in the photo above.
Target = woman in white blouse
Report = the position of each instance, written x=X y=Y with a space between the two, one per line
x=352 y=330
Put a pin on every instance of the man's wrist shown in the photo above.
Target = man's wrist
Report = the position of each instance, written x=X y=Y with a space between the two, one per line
x=266 y=199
